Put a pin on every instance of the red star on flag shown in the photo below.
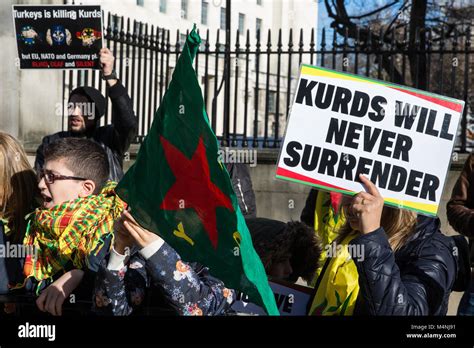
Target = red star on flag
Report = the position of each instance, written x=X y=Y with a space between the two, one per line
x=193 y=187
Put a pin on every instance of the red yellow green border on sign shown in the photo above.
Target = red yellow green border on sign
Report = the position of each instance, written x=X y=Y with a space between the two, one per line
x=446 y=102
x=424 y=208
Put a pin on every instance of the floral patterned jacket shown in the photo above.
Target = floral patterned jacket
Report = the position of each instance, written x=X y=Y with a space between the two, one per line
x=183 y=289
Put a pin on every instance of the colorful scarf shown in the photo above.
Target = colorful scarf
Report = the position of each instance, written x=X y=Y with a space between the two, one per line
x=70 y=232
x=337 y=287
x=6 y=226
x=328 y=220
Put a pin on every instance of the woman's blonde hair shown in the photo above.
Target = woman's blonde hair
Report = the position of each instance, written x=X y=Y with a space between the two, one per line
x=18 y=186
x=399 y=225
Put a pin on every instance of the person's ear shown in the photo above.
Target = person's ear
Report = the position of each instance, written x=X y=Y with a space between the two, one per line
x=88 y=188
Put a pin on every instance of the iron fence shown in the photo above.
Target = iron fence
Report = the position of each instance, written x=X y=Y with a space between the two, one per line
x=264 y=70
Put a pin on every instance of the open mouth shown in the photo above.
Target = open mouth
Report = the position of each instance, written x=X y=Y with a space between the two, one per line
x=75 y=121
x=47 y=201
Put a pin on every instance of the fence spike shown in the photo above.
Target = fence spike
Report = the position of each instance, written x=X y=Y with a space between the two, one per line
x=301 y=44
x=269 y=40
x=323 y=38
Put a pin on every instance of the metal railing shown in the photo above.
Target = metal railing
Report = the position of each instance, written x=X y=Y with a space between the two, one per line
x=264 y=70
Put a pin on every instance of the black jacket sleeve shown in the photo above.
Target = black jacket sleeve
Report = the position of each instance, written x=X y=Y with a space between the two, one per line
x=460 y=208
x=242 y=183
x=123 y=119
x=307 y=215
x=120 y=292
x=419 y=288
x=39 y=160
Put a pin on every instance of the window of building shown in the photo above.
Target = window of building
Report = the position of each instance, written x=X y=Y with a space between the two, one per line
x=258 y=25
x=140 y=2
x=223 y=18
x=114 y=22
x=204 y=6
x=184 y=9
x=241 y=22
x=202 y=46
x=163 y=6
x=221 y=47
x=182 y=39
x=259 y=2
x=272 y=102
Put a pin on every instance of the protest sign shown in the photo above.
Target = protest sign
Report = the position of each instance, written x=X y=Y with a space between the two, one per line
x=341 y=125
x=291 y=299
x=58 y=37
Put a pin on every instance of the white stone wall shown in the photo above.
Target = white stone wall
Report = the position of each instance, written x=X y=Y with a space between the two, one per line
x=28 y=98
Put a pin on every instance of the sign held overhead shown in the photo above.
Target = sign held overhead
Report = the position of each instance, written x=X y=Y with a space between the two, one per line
x=342 y=125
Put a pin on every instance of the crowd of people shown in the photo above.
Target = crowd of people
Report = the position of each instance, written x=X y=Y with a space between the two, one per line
x=88 y=244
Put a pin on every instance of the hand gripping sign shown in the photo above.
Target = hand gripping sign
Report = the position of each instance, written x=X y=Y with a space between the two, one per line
x=342 y=125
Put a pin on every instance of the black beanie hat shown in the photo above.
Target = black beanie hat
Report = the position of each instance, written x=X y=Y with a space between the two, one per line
x=264 y=229
x=94 y=96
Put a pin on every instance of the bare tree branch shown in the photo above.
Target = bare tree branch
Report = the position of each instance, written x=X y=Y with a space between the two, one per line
x=402 y=8
x=380 y=9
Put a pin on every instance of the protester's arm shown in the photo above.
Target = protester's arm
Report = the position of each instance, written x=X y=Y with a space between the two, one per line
x=420 y=290
x=120 y=285
x=460 y=207
x=189 y=292
x=123 y=118
x=52 y=298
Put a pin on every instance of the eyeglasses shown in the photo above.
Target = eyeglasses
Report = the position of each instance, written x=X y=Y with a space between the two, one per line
x=50 y=178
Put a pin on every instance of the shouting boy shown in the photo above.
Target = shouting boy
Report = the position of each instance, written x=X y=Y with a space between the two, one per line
x=73 y=235
x=73 y=229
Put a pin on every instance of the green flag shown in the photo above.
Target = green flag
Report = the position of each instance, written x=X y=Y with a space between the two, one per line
x=179 y=189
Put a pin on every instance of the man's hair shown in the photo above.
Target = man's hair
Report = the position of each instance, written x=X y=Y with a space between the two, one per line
x=275 y=241
x=306 y=250
x=84 y=157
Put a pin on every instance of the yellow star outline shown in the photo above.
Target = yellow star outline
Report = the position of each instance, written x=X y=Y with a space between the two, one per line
x=181 y=234
x=220 y=163
x=237 y=237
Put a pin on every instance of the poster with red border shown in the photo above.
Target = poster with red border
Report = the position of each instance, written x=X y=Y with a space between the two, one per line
x=342 y=124
x=58 y=36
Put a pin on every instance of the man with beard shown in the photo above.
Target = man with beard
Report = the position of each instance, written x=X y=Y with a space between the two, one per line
x=87 y=106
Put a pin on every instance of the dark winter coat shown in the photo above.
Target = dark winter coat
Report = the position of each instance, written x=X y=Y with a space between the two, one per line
x=415 y=280
x=242 y=183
